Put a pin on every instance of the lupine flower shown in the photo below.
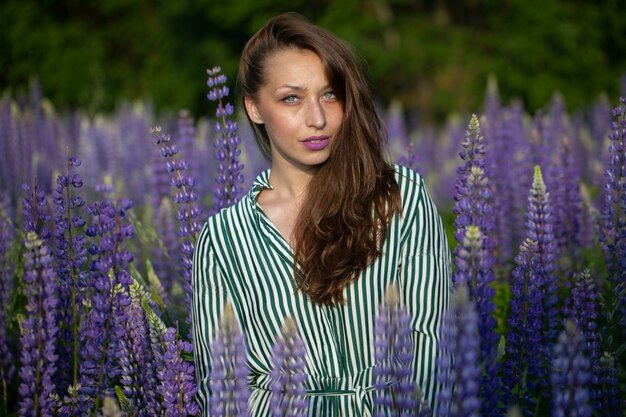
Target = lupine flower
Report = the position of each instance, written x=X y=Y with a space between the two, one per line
x=410 y=158
x=228 y=189
x=567 y=204
x=474 y=272
x=176 y=375
x=506 y=167
x=459 y=371
x=539 y=225
x=582 y=308
x=570 y=375
x=611 y=404
x=613 y=232
x=35 y=212
x=524 y=365
x=288 y=374
x=473 y=255
x=71 y=255
x=39 y=331
x=137 y=362
x=229 y=388
x=189 y=211
x=395 y=392
x=103 y=327
x=7 y=363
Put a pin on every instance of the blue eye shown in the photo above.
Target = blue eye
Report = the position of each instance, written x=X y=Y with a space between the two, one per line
x=289 y=99
x=329 y=95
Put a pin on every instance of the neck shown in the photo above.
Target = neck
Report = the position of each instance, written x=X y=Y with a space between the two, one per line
x=290 y=182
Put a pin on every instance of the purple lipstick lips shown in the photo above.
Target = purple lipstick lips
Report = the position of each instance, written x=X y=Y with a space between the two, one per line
x=316 y=143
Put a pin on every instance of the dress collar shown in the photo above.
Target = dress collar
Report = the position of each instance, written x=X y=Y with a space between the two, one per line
x=261 y=182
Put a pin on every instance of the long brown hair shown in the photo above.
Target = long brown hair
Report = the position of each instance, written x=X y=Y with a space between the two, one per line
x=343 y=221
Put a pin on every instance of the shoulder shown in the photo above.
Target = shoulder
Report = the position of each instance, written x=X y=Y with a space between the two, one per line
x=222 y=222
x=411 y=186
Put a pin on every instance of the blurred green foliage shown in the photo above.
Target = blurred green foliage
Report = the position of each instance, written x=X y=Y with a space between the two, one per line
x=433 y=55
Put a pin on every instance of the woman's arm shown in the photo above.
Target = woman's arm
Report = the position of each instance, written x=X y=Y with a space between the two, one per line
x=425 y=282
x=208 y=300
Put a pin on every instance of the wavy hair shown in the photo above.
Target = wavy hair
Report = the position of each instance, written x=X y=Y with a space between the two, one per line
x=343 y=222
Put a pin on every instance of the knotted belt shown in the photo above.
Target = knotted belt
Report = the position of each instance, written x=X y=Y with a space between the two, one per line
x=338 y=387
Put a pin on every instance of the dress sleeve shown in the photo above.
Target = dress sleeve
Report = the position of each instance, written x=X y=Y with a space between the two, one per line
x=208 y=300
x=424 y=280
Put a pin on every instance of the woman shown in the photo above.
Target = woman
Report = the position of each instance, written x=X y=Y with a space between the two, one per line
x=320 y=235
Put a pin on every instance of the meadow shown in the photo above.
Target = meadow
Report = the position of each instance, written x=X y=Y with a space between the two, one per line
x=99 y=216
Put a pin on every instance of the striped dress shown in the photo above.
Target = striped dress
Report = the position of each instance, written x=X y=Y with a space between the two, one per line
x=242 y=259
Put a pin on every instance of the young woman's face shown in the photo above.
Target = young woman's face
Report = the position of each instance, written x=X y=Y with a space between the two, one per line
x=298 y=108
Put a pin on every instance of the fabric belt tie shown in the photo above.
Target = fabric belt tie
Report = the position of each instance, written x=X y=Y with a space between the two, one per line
x=362 y=402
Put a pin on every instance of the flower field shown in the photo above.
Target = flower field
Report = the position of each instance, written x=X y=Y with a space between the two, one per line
x=99 y=216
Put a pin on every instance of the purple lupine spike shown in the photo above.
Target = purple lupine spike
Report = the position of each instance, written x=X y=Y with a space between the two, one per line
x=137 y=361
x=411 y=157
x=186 y=137
x=459 y=371
x=525 y=359
x=165 y=266
x=613 y=230
x=474 y=265
x=7 y=363
x=229 y=180
x=229 y=387
x=103 y=327
x=610 y=402
x=176 y=375
x=71 y=254
x=8 y=130
x=570 y=375
x=539 y=226
x=473 y=255
x=39 y=331
x=288 y=374
x=35 y=212
x=395 y=392
x=189 y=212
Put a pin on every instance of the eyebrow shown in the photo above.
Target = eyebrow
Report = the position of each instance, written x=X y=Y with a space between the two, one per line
x=298 y=88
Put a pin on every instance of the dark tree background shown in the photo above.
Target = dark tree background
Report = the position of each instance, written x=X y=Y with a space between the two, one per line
x=435 y=56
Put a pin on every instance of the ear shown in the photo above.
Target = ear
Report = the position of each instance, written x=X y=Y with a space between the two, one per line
x=253 y=111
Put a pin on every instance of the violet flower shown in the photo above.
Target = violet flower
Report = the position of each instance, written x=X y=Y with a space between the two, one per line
x=525 y=357
x=459 y=371
x=539 y=227
x=570 y=375
x=189 y=211
x=71 y=254
x=508 y=139
x=613 y=230
x=35 y=212
x=39 y=331
x=567 y=205
x=473 y=255
x=229 y=387
x=103 y=327
x=7 y=363
x=396 y=393
x=137 y=361
x=582 y=308
x=611 y=403
x=288 y=374
x=177 y=386
x=229 y=180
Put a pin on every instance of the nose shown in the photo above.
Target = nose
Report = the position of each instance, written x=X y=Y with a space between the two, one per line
x=315 y=116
